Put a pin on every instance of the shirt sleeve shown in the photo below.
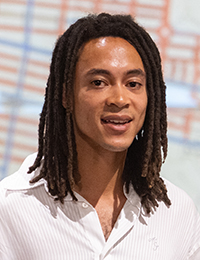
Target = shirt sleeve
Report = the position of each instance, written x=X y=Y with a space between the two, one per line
x=195 y=248
x=5 y=252
x=196 y=255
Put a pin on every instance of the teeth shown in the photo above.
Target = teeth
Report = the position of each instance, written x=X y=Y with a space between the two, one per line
x=116 y=121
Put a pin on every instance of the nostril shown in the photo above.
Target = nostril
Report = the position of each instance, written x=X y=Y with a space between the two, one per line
x=119 y=102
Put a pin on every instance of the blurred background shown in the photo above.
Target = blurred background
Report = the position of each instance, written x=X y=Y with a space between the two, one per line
x=28 y=31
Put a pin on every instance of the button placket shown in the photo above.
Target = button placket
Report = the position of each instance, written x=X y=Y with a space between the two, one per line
x=92 y=227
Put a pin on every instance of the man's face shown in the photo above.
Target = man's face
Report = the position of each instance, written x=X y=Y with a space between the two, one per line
x=110 y=97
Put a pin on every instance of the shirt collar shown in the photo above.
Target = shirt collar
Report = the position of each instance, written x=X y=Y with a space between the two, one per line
x=21 y=181
x=133 y=200
x=132 y=196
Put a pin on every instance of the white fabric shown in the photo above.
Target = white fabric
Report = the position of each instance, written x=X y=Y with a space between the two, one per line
x=35 y=227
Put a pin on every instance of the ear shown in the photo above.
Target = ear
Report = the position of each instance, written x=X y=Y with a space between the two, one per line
x=67 y=102
x=64 y=99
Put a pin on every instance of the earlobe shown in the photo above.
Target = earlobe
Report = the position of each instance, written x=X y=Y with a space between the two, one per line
x=67 y=103
x=64 y=99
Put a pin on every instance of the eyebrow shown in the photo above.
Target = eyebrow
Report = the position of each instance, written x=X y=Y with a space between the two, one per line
x=133 y=72
x=98 y=71
x=136 y=72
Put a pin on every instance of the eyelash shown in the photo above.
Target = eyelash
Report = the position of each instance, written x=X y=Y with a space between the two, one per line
x=99 y=82
x=136 y=84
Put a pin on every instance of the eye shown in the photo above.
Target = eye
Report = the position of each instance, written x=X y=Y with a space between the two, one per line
x=98 y=83
x=134 y=84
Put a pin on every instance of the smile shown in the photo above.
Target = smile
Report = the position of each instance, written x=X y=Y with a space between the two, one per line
x=116 y=122
x=116 y=119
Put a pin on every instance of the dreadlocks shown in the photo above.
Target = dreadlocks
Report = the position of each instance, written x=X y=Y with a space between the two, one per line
x=57 y=144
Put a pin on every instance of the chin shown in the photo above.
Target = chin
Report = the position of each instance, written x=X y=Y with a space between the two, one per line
x=116 y=147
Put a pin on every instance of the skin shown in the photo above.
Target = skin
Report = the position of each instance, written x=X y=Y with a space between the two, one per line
x=110 y=101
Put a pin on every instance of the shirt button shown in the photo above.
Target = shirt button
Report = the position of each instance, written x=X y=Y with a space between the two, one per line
x=84 y=205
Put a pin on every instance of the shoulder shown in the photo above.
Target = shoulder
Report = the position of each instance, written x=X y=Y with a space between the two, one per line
x=14 y=188
x=182 y=214
x=179 y=198
x=20 y=179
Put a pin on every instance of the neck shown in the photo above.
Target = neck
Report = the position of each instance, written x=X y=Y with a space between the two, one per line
x=101 y=173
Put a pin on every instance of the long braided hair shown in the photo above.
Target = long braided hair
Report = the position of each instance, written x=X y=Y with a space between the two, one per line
x=57 y=146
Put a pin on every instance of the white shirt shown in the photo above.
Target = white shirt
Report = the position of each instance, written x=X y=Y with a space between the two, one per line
x=33 y=226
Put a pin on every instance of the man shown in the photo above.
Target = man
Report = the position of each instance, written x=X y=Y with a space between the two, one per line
x=94 y=190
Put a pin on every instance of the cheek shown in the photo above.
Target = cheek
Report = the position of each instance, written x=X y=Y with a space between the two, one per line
x=142 y=105
x=84 y=110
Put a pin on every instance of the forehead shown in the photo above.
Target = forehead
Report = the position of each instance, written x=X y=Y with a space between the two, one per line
x=109 y=48
x=103 y=43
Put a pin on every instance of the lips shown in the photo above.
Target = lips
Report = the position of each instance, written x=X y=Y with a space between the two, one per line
x=116 y=125
x=117 y=120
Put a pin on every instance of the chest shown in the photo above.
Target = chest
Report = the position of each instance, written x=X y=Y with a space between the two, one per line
x=107 y=220
x=108 y=214
x=73 y=232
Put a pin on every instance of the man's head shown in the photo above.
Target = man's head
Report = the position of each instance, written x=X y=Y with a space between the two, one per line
x=110 y=96
x=56 y=131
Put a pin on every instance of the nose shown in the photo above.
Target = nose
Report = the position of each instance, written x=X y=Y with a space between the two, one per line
x=118 y=96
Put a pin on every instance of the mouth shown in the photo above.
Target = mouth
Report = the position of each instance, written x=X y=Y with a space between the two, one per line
x=116 y=121
x=116 y=125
